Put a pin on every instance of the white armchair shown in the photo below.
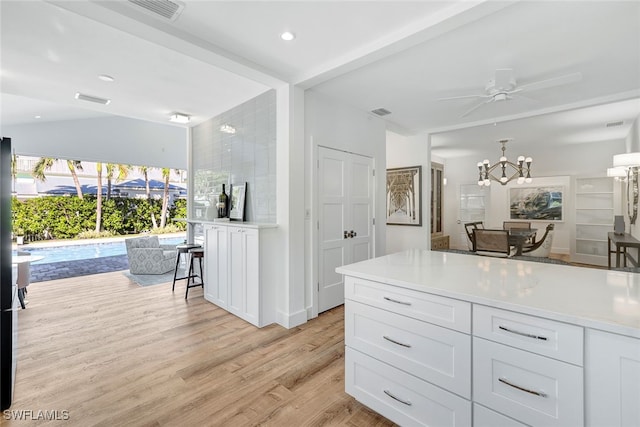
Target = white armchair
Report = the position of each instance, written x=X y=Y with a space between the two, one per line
x=147 y=256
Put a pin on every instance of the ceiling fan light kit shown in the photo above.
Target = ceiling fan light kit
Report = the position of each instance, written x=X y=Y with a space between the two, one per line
x=520 y=170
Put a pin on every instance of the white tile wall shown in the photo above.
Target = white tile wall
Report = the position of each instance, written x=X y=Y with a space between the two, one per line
x=248 y=156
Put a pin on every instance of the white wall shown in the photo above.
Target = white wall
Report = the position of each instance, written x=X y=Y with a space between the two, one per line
x=109 y=139
x=555 y=165
x=405 y=151
x=334 y=125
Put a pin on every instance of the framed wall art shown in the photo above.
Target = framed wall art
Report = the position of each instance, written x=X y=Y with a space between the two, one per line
x=537 y=203
x=404 y=196
x=238 y=201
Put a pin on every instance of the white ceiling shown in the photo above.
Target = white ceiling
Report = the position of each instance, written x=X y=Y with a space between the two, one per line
x=400 y=55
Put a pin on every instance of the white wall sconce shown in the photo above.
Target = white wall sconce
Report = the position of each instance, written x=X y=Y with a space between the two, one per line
x=227 y=128
x=180 y=118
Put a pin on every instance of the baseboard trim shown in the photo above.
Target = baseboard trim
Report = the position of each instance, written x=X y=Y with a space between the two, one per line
x=291 y=320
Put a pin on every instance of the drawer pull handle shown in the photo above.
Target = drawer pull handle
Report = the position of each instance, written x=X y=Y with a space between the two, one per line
x=526 y=390
x=396 y=342
x=524 y=334
x=388 y=393
x=397 y=302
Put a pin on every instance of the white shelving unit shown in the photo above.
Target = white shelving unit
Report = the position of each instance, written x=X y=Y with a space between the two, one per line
x=473 y=201
x=596 y=199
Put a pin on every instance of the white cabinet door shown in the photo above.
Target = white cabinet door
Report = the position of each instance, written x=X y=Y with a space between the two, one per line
x=244 y=273
x=215 y=280
x=612 y=364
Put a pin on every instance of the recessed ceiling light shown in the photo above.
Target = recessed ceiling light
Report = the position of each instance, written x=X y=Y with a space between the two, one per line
x=106 y=78
x=37 y=117
x=287 y=36
x=180 y=118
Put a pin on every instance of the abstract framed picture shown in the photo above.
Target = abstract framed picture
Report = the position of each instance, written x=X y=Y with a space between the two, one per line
x=536 y=203
x=404 y=196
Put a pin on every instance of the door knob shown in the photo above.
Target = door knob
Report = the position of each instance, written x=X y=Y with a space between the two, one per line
x=352 y=234
x=346 y=234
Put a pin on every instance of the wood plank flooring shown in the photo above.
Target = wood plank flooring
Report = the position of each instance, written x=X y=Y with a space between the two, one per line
x=112 y=353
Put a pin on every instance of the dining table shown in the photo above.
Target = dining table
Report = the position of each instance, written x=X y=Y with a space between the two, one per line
x=518 y=237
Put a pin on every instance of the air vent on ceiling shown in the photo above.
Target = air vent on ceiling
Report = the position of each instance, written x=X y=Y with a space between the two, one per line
x=614 y=124
x=381 y=111
x=96 y=99
x=167 y=9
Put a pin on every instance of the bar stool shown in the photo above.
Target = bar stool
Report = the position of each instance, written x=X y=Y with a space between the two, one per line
x=182 y=249
x=196 y=253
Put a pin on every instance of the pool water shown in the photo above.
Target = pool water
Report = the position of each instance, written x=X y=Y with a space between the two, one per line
x=94 y=250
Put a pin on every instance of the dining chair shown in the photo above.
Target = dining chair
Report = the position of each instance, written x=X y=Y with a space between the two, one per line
x=509 y=225
x=469 y=227
x=542 y=248
x=492 y=243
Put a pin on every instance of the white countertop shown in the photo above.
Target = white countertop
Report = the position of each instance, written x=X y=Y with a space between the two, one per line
x=246 y=224
x=600 y=299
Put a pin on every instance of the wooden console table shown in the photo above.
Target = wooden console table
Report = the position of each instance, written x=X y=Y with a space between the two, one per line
x=622 y=242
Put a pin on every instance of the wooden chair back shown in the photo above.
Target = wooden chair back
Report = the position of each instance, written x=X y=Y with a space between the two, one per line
x=508 y=225
x=491 y=242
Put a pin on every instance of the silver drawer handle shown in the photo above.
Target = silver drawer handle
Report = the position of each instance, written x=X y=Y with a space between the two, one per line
x=397 y=302
x=388 y=393
x=524 y=334
x=526 y=390
x=396 y=342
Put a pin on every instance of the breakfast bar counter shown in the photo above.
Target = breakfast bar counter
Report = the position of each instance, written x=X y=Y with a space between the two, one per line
x=437 y=338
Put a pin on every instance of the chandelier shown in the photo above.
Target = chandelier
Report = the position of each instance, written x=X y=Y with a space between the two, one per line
x=521 y=170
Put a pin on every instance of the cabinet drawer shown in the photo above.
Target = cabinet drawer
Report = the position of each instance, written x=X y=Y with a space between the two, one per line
x=402 y=398
x=483 y=417
x=546 y=337
x=441 y=311
x=432 y=353
x=533 y=389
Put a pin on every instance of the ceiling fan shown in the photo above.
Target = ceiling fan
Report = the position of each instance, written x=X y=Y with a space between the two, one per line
x=503 y=87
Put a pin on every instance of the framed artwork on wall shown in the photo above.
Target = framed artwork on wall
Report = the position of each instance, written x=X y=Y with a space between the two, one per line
x=536 y=203
x=238 y=201
x=404 y=196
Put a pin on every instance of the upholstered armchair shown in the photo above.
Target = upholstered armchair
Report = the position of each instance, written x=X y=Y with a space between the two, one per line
x=147 y=256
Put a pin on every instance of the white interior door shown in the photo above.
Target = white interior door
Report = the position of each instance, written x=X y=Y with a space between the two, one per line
x=345 y=219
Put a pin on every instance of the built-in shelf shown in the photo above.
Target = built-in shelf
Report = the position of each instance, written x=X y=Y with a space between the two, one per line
x=594 y=211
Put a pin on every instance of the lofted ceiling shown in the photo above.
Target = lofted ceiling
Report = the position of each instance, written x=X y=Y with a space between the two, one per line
x=399 y=55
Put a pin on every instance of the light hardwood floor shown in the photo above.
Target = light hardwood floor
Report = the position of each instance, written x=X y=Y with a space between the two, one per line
x=113 y=353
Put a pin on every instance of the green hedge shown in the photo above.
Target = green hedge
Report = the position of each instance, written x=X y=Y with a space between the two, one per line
x=64 y=217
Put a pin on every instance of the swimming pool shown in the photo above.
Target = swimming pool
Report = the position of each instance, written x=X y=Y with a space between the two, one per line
x=94 y=250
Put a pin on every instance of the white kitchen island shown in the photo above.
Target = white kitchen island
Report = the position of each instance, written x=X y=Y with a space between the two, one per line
x=437 y=338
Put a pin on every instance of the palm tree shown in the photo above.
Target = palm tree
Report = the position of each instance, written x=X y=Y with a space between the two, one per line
x=123 y=172
x=14 y=171
x=99 y=198
x=166 y=174
x=145 y=173
x=46 y=163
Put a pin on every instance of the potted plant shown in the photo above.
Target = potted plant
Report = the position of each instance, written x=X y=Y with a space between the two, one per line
x=19 y=236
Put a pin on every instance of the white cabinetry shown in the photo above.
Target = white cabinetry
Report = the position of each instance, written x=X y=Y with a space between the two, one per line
x=612 y=365
x=414 y=372
x=238 y=274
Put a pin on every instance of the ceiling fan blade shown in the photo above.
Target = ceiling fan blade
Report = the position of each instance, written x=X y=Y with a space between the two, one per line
x=503 y=78
x=463 y=97
x=475 y=107
x=555 y=81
